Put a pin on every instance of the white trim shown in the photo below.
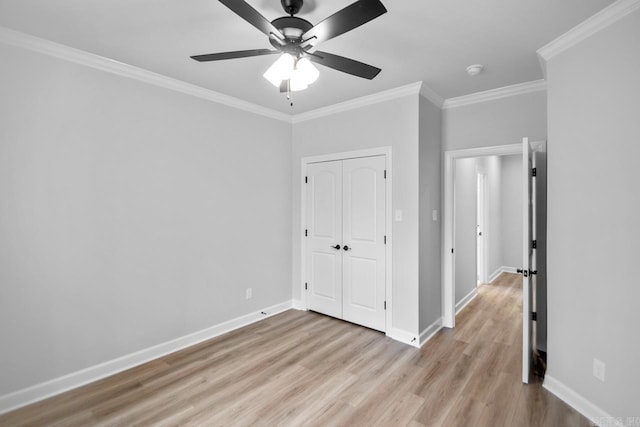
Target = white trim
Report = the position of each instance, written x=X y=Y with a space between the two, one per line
x=430 y=331
x=460 y=305
x=378 y=151
x=37 y=392
x=403 y=337
x=67 y=53
x=499 y=271
x=431 y=95
x=494 y=94
x=297 y=304
x=578 y=402
x=589 y=27
x=399 y=92
x=91 y=60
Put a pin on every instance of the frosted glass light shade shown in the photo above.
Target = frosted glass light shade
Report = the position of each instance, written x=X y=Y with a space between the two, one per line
x=280 y=70
x=300 y=73
x=297 y=83
x=309 y=73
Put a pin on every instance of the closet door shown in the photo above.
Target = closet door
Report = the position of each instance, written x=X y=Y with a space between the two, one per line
x=363 y=241
x=324 y=233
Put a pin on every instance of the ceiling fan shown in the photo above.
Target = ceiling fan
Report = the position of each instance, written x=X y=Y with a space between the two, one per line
x=296 y=38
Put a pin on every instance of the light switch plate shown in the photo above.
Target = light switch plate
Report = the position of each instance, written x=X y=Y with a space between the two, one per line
x=599 y=369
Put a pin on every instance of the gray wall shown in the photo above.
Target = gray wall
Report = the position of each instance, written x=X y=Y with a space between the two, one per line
x=493 y=222
x=511 y=211
x=593 y=211
x=391 y=123
x=430 y=199
x=129 y=216
x=465 y=226
x=499 y=122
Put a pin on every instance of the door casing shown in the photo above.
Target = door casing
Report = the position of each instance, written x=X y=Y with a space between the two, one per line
x=381 y=151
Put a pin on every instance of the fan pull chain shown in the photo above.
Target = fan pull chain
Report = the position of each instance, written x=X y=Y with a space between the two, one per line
x=289 y=92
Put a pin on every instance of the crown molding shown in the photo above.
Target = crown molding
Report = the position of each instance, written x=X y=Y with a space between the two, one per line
x=589 y=27
x=399 y=92
x=67 y=53
x=494 y=94
x=431 y=95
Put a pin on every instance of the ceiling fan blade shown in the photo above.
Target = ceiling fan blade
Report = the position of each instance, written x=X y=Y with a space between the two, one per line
x=346 y=65
x=345 y=20
x=253 y=17
x=232 y=55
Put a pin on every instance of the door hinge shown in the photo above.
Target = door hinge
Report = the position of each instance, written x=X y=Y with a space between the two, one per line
x=385 y=240
x=306 y=179
x=385 y=305
x=451 y=250
x=534 y=244
x=385 y=174
x=534 y=316
x=305 y=232
x=305 y=286
x=534 y=172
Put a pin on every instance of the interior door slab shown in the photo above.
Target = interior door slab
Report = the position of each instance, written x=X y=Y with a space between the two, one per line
x=324 y=244
x=363 y=237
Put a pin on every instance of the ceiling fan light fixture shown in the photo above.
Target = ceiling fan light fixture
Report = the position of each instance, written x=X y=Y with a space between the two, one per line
x=300 y=73
x=297 y=84
x=280 y=70
x=308 y=72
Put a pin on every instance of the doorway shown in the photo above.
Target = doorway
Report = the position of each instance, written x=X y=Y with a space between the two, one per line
x=454 y=252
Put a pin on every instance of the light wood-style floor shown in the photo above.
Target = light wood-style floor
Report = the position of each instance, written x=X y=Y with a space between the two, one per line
x=303 y=368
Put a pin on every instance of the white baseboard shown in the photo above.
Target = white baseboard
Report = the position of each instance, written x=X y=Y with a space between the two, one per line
x=298 y=305
x=37 y=392
x=403 y=336
x=430 y=331
x=499 y=271
x=595 y=414
x=466 y=300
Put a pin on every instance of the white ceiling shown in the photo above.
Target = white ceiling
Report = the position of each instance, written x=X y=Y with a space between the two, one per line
x=423 y=40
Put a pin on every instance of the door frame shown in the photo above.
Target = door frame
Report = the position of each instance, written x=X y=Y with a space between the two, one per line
x=448 y=260
x=371 y=152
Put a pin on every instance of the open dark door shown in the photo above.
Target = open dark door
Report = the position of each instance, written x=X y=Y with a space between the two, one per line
x=528 y=258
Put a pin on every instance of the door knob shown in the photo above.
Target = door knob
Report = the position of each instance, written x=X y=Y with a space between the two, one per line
x=346 y=248
x=519 y=270
x=336 y=247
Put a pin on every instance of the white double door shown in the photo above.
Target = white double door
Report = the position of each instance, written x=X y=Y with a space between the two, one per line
x=345 y=250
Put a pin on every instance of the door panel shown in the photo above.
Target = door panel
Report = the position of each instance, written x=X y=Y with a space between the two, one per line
x=363 y=274
x=324 y=219
x=363 y=233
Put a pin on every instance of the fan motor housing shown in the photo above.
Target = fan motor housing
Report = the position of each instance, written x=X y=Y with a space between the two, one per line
x=291 y=6
x=293 y=28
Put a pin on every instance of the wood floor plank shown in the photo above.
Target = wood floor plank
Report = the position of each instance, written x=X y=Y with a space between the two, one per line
x=303 y=368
